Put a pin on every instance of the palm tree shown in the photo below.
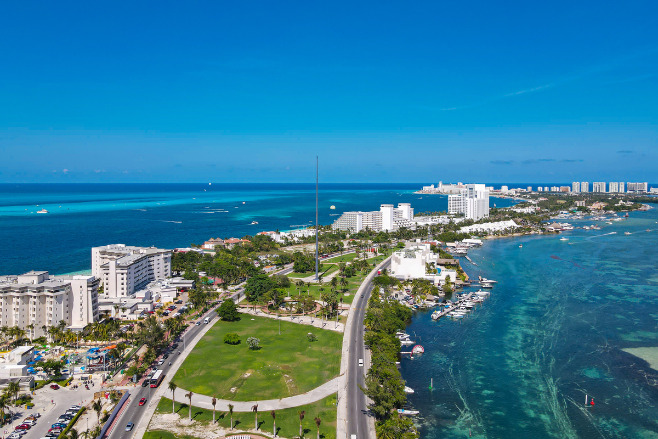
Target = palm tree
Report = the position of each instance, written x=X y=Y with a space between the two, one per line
x=318 y=421
x=97 y=406
x=172 y=387
x=230 y=411
x=13 y=388
x=273 y=413
x=189 y=395
x=301 y=418
x=73 y=434
x=254 y=409
x=214 y=402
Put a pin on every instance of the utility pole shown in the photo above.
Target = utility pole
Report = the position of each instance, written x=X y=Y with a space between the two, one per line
x=317 y=278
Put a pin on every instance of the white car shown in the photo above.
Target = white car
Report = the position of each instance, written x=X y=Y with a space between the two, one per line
x=14 y=436
x=360 y=361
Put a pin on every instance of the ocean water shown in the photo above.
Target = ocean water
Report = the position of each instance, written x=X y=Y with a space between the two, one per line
x=168 y=215
x=553 y=331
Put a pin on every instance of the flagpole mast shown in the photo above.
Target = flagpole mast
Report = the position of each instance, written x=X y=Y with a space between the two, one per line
x=316 y=220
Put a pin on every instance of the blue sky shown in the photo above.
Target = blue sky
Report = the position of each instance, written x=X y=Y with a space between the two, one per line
x=381 y=91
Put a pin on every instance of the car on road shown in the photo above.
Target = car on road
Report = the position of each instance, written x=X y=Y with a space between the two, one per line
x=360 y=361
x=130 y=426
x=198 y=323
x=160 y=363
x=142 y=401
x=165 y=356
x=54 y=386
x=145 y=382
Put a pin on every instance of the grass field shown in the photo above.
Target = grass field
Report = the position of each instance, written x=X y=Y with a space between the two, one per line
x=353 y=282
x=285 y=365
x=287 y=420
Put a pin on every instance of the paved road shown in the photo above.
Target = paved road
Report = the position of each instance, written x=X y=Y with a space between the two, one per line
x=357 y=406
x=132 y=411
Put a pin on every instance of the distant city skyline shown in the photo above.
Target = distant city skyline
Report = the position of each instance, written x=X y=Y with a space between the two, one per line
x=232 y=92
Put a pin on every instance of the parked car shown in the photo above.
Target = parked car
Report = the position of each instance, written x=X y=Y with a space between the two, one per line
x=54 y=386
x=31 y=422
x=14 y=436
x=23 y=427
x=142 y=401
x=145 y=382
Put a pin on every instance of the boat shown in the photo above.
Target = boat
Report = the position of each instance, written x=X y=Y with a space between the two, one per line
x=408 y=389
x=564 y=239
x=627 y=233
x=486 y=285
x=408 y=412
x=42 y=211
x=244 y=202
x=520 y=245
x=254 y=222
x=407 y=342
x=418 y=349
x=488 y=281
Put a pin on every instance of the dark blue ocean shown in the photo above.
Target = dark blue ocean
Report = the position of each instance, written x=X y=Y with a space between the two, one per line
x=555 y=329
x=168 y=215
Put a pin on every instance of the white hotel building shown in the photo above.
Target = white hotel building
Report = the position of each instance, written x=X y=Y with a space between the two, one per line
x=473 y=202
x=387 y=218
x=123 y=269
x=38 y=299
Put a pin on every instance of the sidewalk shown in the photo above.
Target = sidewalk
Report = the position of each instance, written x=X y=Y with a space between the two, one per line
x=320 y=392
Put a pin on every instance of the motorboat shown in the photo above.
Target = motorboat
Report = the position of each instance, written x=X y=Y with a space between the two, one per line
x=408 y=412
x=408 y=389
x=627 y=233
x=42 y=211
x=407 y=342
x=254 y=222
x=564 y=239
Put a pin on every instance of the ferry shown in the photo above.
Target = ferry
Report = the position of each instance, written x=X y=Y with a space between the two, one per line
x=42 y=211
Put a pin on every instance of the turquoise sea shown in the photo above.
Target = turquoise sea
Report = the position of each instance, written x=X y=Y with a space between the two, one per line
x=554 y=329
x=168 y=215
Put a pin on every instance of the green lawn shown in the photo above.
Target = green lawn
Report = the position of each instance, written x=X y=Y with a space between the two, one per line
x=287 y=420
x=286 y=365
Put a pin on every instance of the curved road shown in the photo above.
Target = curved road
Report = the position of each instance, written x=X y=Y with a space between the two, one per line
x=358 y=416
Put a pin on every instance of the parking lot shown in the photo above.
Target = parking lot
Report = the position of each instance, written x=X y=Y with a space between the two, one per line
x=50 y=404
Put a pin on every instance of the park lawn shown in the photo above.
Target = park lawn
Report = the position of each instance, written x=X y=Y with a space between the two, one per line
x=342 y=258
x=287 y=420
x=161 y=434
x=285 y=365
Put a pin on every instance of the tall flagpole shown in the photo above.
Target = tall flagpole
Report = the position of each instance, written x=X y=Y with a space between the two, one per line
x=316 y=220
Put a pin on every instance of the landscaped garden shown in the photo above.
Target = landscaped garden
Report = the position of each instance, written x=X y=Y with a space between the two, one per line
x=283 y=365
x=287 y=420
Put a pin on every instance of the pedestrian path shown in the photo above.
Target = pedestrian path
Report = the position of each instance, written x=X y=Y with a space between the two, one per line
x=205 y=402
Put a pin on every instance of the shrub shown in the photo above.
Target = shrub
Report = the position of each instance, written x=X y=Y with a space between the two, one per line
x=232 y=338
x=228 y=311
x=311 y=337
x=254 y=343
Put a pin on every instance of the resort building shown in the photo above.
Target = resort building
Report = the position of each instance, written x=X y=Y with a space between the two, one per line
x=499 y=226
x=472 y=202
x=637 y=187
x=598 y=186
x=584 y=186
x=387 y=218
x=575 y=187
x=125 y=269
x=420 y=262
x=35 y=301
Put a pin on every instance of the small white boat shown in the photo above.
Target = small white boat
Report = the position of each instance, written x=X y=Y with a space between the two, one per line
x=407 y=342
x=42 y=211
x=408 y=412
x=627 y=233
x=564 y=239
x=520 y=245
x=418 y=349
x=244 y=202
x=408 y=389
x=254 y=222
